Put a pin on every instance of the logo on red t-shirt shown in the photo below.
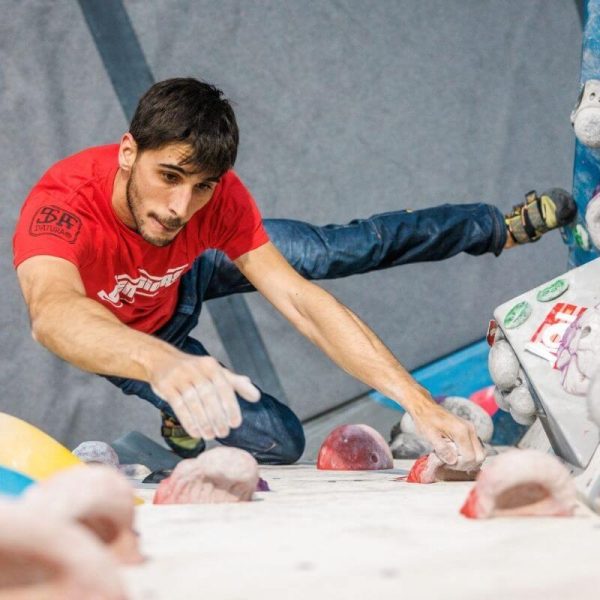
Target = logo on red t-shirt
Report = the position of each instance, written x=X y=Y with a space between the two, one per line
x=53 y=220
x=128 y=287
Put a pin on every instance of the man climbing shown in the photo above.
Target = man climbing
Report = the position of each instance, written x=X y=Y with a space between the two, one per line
x=117 y=247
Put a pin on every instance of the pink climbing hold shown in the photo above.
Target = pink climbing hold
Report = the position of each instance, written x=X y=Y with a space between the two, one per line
x=217 y=476
x=521 y=483
x=354 y=448
x=431 y=469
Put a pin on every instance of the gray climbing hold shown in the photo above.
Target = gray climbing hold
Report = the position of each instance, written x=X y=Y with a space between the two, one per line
x=409 y=445
x=97 y=452
x=503 y=365
x=521 y=402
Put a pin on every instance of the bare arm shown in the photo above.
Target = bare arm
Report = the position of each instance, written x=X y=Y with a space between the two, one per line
x=86 y=334
x=355 y=348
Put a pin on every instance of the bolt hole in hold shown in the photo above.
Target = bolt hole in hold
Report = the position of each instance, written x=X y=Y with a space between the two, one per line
x=374 y=458
x=585 y=331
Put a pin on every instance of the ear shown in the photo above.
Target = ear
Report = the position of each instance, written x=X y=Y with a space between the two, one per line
x=127 y=152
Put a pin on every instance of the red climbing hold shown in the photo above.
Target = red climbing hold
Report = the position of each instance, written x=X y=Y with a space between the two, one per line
x=354 y=448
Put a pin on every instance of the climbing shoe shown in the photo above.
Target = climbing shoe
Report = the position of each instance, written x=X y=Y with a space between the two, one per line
x=177 y=438
x=529 y=220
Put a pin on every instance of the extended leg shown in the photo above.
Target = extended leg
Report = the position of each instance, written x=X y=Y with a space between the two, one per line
x=379 y=242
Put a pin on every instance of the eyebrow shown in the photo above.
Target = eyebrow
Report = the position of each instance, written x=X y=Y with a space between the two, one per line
x=188 y=173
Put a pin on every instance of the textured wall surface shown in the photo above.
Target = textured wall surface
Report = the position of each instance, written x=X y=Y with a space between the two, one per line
x=346 y=108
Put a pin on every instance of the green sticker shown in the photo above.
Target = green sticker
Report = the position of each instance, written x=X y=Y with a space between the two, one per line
x=517 y=315
x=553 y=290
x=582 y=237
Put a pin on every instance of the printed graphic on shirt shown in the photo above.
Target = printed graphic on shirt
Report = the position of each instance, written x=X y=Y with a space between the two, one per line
x=128 y=287
x=53 y=220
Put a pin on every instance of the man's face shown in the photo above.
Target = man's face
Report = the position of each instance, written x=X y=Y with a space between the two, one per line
x=163 y=193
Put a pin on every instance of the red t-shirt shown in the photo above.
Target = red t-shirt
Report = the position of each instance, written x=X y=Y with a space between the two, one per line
x=69 y=214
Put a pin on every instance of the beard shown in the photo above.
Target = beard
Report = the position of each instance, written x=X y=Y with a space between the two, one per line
x=134 y=202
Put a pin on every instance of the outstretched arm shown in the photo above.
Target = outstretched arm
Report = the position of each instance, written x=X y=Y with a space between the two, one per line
x=351 y=344
x=86 y=334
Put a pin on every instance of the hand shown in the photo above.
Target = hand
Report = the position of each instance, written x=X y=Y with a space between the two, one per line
x=454 y=440
x=44 y=557
x=202 y=394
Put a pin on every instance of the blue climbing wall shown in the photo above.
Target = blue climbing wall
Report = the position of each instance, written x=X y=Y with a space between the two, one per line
x=586 y=169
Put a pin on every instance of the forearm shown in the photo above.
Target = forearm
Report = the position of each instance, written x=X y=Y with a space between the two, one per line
x=352 y=345
x=87 y=335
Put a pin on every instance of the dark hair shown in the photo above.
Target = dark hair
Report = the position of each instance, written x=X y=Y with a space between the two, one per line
x=190 y=111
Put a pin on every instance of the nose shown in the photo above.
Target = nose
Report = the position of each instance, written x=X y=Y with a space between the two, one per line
x=180 y=201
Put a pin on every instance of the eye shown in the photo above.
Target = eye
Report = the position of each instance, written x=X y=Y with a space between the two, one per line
x=203 y=187
x=169 y=177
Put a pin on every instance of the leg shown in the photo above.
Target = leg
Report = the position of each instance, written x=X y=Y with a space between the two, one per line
x=379 y=242
x=270 y=431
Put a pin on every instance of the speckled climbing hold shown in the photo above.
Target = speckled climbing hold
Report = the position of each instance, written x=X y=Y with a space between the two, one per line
x=517 y=315
x=592 y=219
x=354 y=448
x=585 y=117
x=97 y=452
x=553 y=290
x=409 y=445
x=503 y=365
x=582 y=237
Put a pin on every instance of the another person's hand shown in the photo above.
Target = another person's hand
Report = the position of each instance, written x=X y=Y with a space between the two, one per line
x=44 y=558
x=202 y=394
x=454 y=440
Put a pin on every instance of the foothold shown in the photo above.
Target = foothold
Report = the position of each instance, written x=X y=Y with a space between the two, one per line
x=582 y=237
x=217 y=476
x=585 y=117
x=517 y=315
x=500 y=398
x=592 y=219
x=503 y=365
x=521 y=401
x=158 y=475
x=262 y=485
x=97 y=497
x=431 y=469
x=578 y=357
x=409 y=445
x=97 y=452
x=553 y=290
x=138 y=472
x=521 y=483
x=354 y=448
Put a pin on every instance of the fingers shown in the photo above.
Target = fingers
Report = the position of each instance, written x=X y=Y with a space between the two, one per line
x=446 y=450
x=202 y=394
x=243 y=386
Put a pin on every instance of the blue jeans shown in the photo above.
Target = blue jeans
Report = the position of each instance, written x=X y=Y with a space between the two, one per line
x=270 y=430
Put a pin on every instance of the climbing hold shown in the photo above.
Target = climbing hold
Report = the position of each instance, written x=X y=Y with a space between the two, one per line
x=431 y=469
x=503 y=365
x=517 y=315
x=585 y=117
x=553 y=290
x=521 y=483
x=217 y=476
x=354 y=448
x=97 y=452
